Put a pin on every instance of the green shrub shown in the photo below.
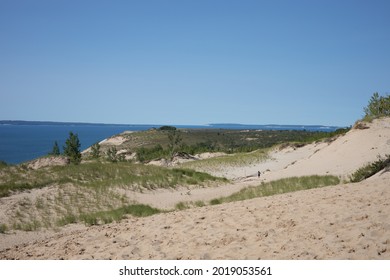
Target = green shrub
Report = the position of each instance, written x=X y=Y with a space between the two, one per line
x=215 y=201
x=148 y=154
x=95 y=150
x=378 y=106
x=167 y=127
x=370 y=169
x=111 y=154
x=199 y=203
x=181 y=206
x=69 y=219
x=3 y=228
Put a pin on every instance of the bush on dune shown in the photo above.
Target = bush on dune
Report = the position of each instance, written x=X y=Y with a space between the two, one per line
x=370 y=169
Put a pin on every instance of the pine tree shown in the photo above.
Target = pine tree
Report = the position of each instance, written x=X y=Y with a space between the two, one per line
x=174 y=139
x=72 y=148
x=56 y=150
x=95 y=150
x=378 y=106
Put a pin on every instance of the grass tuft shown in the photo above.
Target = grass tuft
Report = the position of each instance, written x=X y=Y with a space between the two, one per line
x=3 y=228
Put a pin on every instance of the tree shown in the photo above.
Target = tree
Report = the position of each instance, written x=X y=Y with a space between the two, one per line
x=95 y=150
x=174 y=139
x=167 y=127
x=378 y=106
x=56 y=150
x=113 y=156
x=72 y=148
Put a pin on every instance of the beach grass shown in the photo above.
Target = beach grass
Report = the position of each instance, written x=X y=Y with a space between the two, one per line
x=279 y=187
x=109 y=216
x=96 y=206
x=91 y=192
x=73 y=204
x=218 y=164
x=97 y=174
x=370 y=169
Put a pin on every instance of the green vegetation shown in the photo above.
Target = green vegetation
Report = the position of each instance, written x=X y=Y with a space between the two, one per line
x=113 y=156
x=268 y=189
x=3 y=228
x=97 y=174
x=106 y=217
x=279 y=187
x=146 y=155
x=181 y=206
x=174 y=140
x=72 y=148
x=167 y=128
x=56 y=150
x=370 y=169
x=378 y=106
x=156 y=144
x=3 y=164
x=95 y=150
x=231 y=160
x=92 y=192
x=63 y=205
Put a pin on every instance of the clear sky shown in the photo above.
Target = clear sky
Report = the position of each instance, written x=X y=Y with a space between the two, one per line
x=193 y=62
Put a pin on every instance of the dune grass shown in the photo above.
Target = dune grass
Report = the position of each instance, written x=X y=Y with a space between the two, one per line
x=234 y=160
x=97 y=174
x=279 y=187
x=109 y=216
x=75 y=204
x=370 y=169
x=91 y=192
x=71 y=204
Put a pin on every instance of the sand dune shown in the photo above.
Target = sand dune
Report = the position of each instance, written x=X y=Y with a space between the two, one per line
x=342 y=222
x=340 y=157
x=348 y=221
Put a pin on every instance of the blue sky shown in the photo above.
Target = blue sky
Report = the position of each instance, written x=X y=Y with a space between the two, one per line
x=192 y=62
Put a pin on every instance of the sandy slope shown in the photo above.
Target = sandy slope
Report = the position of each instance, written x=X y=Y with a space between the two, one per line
x=342 y=222
x=340 y=157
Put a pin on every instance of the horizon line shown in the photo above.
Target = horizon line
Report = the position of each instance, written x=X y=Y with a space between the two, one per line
x=15 y=122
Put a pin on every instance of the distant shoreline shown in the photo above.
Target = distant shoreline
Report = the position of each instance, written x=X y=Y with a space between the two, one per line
x=207 y=126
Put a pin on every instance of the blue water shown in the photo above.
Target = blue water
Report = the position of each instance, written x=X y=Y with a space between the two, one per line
x=23 y=142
